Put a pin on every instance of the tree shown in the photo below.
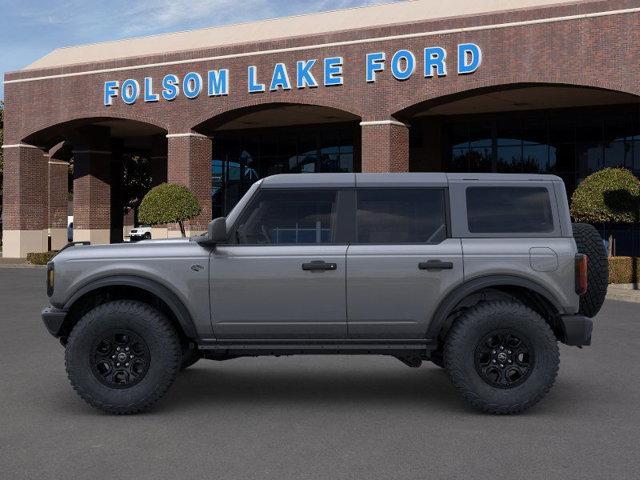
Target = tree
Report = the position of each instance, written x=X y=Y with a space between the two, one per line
x=611 y=195
x=169 y=203
x=136 y=181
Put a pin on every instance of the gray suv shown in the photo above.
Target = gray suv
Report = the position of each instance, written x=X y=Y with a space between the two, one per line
x=480 y=274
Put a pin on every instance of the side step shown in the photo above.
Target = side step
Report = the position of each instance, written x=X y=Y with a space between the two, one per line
x=253 y=347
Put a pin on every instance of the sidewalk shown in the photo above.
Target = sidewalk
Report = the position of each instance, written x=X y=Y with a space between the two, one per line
x=626 y=292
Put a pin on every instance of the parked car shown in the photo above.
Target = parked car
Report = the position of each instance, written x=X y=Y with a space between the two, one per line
x=482 y=274
x=140 y=233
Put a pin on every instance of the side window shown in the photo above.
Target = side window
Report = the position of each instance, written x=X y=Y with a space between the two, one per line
x=401 y=215
x=509 y=210
x=289 y=216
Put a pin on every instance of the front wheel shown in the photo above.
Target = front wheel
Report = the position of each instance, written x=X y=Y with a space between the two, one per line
x=502 y=357
x=122 y=356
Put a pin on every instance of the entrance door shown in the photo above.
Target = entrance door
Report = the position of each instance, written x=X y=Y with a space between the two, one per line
x=284 y=274
x=401 y=263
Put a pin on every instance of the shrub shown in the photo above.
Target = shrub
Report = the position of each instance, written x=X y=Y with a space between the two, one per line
x=623 y=270
x=609 y=195
x=41 y=258
x=169 y=203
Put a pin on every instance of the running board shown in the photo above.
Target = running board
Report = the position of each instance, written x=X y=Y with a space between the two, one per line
x=318 y=347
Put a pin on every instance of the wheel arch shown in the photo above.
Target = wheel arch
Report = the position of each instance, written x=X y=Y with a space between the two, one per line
x=130 y=287
x=530 y=292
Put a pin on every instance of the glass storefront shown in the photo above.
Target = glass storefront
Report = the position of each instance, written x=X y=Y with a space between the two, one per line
x=241 y=157
x=571 y=143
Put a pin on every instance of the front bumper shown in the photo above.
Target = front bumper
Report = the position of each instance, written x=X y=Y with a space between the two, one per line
x=576 y=330
x=53 y=319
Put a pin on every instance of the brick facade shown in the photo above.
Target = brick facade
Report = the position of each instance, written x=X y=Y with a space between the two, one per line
x=589 y=43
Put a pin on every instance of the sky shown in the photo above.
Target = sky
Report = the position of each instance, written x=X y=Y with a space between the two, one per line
x=29 y=29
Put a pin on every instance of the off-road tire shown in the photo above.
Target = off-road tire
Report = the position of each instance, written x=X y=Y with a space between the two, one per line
x=469 y=331
x=190 y=356
x=144 y=321
x=589 y=242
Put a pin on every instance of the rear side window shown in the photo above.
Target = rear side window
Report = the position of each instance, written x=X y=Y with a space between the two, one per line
x=509 y=210
x=401 y=215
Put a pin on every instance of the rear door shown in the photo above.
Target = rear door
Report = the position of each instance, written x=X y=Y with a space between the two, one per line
x=283 y=275
x=401 y=263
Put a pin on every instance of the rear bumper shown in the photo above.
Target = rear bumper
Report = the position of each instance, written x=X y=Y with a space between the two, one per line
x=53 y=319
x=576 y=330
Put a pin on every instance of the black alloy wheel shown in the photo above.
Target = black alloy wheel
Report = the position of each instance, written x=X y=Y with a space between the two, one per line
x=120 y=359
x=504 y=358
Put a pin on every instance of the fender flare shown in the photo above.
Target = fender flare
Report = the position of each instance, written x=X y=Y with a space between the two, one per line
x=166 y=295
x=474 y=285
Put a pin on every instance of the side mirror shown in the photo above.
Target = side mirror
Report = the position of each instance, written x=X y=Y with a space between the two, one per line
x=217 y=231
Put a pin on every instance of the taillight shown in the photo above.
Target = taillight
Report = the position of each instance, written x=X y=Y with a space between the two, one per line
x=581 y=273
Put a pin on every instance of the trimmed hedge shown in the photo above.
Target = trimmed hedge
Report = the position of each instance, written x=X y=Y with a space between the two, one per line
x=609 y=195
x=168 y=203
x=40 y=258
x=621 y=270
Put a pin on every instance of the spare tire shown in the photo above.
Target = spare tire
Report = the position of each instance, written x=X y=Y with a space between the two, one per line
x=590 y=243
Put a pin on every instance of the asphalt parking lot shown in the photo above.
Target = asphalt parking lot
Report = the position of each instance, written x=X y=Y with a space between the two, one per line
x=314 y=417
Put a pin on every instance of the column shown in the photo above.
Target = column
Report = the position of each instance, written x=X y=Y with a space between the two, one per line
x=92 y=186
x=385 y=146
x=58 y=191
x=189 y=164
x=25 y=200
x=159 y=175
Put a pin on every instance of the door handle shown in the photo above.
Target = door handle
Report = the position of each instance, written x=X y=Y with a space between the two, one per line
x=435 y=265
x=319 y=265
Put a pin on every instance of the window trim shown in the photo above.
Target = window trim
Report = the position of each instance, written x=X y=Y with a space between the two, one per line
x=445 y=206
x=340 y=225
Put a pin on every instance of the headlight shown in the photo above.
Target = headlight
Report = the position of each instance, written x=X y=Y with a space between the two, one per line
x=50 y=278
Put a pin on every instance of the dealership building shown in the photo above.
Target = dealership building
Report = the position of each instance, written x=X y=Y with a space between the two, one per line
x=544 y=86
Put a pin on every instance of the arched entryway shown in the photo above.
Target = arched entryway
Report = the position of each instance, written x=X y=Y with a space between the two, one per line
x=258 y=141
x=92 y=172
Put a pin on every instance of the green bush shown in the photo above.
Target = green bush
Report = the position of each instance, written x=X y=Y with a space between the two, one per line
x=609 y=195
x=169 y=203
x=41 y=258
x=621 y=270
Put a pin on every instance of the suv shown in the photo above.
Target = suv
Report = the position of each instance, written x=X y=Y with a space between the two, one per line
x=480 y=274
x=143 y=232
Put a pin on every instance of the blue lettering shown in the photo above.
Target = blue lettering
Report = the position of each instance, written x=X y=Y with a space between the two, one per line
x=434 y=58
x=469 y=58
x=218 y=81
x=192 y=84
x=254 y=87
x=304 y=77
x=333 y=71
x=149 y=96
x=170 y=87
x=280 y=78
x=130 y=91
x=375 y=63
x=110 y=92
x=403 y=64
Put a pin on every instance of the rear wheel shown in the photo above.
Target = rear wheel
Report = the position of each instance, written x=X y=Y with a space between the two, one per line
x=122 y=356
x=589 y=242
x=502 y=357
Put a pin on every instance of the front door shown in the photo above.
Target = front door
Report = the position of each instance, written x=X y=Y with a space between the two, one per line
x=401 y=264
x=283 y=273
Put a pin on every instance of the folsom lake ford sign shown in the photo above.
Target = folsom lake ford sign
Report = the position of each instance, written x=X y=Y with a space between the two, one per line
x=309 y=73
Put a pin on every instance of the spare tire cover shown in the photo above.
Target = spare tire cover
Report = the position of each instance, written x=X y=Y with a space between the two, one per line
x=590 y=243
